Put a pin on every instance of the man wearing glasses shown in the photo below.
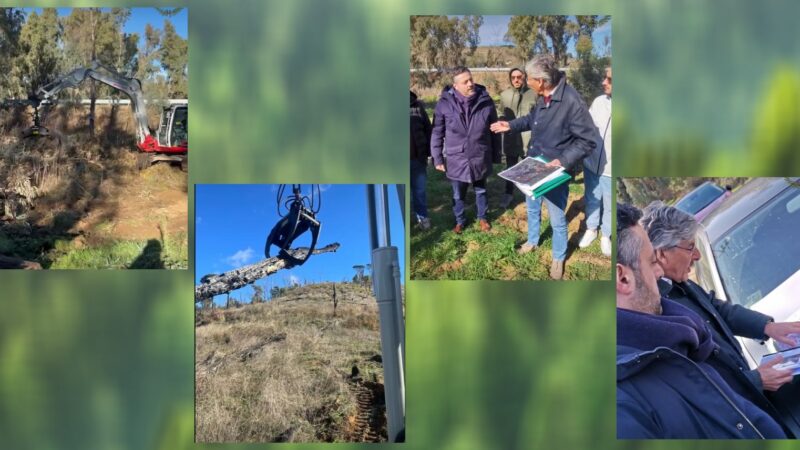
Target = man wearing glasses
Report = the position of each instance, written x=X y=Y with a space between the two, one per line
x=516 y=101
x=672 y=233
x=563 y=132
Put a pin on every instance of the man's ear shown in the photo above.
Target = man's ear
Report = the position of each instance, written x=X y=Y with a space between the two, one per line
x=625 y=280
x=661 y=256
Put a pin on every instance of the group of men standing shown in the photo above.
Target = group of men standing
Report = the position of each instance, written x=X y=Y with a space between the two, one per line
x=540 y=115
x=681 y=373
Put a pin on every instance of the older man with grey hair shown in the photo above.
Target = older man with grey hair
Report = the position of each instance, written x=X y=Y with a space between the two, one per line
x=672 y=233
x=563 y=132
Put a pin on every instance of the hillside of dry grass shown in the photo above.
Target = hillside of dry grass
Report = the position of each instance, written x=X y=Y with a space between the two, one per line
x=289 y=370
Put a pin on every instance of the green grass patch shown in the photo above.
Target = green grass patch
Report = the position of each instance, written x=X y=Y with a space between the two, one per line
x=439 y=253
x=123 y=254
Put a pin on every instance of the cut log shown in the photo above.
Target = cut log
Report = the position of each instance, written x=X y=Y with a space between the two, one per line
x=216 y=284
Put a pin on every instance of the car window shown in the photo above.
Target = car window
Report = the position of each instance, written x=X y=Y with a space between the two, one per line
x=761 y=252
x=698 y=200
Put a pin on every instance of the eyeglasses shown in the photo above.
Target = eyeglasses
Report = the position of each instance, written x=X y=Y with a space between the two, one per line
x=516 y=77
x=689 y=249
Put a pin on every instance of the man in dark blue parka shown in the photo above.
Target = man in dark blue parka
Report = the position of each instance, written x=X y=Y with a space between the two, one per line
x=665 y=387
x=563 y=132
x=462 y=145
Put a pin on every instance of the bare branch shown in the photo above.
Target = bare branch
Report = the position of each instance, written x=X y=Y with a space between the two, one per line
x=216 y=284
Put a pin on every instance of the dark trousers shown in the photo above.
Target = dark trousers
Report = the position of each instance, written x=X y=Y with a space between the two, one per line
x=459 y=194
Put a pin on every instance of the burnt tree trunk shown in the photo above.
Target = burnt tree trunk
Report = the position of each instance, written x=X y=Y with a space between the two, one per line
x=216 y=284
x=334 y=300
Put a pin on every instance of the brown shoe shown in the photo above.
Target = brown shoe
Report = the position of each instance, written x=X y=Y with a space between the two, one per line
x=557 y=269
x=458 y=229
x=484 y=225
x=526 y=248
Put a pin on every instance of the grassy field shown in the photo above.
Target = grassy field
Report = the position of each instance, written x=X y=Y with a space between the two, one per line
x=439 y=253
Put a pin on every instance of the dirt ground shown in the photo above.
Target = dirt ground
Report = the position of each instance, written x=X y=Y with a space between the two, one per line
x=141 y=207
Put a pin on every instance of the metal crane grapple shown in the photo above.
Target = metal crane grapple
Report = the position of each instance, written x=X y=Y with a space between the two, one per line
x=300 y=217
x=171 y=141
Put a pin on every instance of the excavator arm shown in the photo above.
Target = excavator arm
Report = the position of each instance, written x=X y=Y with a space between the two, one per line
x=106 y=75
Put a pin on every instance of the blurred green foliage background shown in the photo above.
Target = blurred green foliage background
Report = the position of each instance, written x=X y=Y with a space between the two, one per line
x=315 y=91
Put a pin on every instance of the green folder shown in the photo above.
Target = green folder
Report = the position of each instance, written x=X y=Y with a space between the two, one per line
x=550 y=185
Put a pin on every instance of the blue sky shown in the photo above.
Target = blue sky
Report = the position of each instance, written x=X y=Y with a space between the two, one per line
x=494 y=28
x=141 y=17
x=232 y=222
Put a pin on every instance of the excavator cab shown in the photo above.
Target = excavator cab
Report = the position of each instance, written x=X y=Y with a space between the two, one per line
x=173 y=129
x=300 y=217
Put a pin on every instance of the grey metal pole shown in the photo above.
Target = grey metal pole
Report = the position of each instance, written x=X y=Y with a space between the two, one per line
x=373 y=224
x=401 y=198
x=388 y=294
x=392 y=348
x=383 y=210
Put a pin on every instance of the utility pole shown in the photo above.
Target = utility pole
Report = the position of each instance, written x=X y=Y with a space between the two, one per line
x=387 y=286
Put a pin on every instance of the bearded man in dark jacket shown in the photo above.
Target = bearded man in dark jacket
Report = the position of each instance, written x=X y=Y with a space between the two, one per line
x=666 y=387
x=462 y=145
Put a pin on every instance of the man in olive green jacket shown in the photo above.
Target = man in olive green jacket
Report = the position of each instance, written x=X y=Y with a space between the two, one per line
x=516 y=101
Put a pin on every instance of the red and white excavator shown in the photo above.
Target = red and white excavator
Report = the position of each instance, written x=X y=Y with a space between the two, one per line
x=171 y=141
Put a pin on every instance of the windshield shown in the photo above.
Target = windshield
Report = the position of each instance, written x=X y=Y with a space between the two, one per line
x=761 y=252
x=699 y=199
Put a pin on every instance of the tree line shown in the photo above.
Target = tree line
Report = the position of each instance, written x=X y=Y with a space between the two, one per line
x=37 y=48
x=442 y=43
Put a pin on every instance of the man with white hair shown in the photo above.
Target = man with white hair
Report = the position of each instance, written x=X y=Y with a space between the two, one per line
x=563 y=132
x=666 y=388
x=672 y=233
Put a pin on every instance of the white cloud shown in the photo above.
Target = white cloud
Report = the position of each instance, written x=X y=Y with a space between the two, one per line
x=293 y=280
x=241 y=257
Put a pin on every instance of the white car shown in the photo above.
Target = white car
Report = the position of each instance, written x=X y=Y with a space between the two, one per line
x=750 y=248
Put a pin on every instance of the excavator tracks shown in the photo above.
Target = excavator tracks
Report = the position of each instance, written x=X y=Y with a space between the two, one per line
x=368 y=424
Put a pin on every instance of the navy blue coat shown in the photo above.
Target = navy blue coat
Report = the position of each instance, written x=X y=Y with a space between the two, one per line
x=727 y=320
x=564 y=130
x=468 y=145
x=669 y=391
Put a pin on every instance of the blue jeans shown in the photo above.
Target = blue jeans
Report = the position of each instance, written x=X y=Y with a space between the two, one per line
x=460 y=192
x=419 y=176
x=556 y=201
x=597 y=199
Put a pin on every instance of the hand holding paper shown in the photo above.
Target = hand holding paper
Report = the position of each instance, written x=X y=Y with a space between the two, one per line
x=554 y=163
x=772 y=378
x=782 y=332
